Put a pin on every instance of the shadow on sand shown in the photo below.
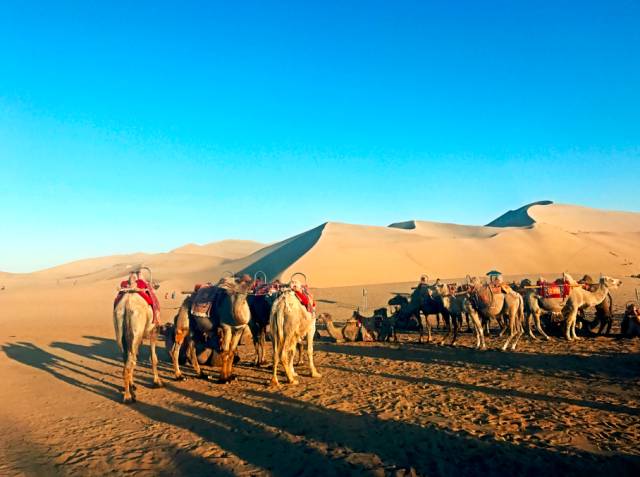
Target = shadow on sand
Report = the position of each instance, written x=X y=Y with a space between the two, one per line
x=285 y=436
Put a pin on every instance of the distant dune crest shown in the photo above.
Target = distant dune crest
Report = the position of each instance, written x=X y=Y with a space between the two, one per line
x=537 y=238
x=223 y=248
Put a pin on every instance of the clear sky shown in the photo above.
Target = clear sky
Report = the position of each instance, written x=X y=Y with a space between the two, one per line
x=141 y=126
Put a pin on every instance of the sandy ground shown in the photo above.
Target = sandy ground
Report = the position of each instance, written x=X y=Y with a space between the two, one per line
x=379 y=409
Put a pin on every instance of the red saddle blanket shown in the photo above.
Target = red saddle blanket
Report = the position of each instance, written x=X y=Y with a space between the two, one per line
x=146 y=292
x=306 y=299
x=554 y=290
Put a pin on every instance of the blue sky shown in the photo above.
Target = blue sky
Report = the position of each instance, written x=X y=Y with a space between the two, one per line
x=140 y=128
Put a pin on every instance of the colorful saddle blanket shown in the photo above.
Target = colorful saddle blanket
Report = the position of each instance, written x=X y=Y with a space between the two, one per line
x=260 y=288
x=554 y=290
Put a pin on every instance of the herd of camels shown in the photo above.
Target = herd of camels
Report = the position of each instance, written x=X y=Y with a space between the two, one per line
x=235 y=304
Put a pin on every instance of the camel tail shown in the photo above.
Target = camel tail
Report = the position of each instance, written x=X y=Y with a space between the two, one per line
x=127 y=334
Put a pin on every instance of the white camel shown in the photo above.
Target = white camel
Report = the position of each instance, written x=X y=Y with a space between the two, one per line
x=133 y=321
x=581 y=298
x=290 y=322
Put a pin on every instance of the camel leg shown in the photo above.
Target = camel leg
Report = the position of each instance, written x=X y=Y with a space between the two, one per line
x=528 y=324
x=477 y=324
x=506 y=343
x=573 y=330
x=456 y=323
x=501 y=324
x=225 y=344
x=537 y=317
x=300 y=351
x=518 y=336
x=154 y=358
x=179 y=337
x=287 y=360
x=235 y=340
x=312 y=366
x=261 y=344
x=193 y=357
x=128 y=394
x=290 y=359
x=567 y=329
x=130 y=364
x=276 y=359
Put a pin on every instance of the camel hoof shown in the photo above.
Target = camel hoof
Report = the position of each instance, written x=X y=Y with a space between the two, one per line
x=182 y=377
x=316 y=375
x=129 y=399
x=295 y=382
x=158 y=384
x=274 y=383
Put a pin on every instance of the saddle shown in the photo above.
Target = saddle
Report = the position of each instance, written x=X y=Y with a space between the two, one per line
x=554 y=290
x=145 y=291
x=306 y=298
x=261 y=289
x=204 y=299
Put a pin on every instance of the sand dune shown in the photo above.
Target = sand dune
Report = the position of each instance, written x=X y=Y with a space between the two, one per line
x=230 y=249
x=538 y=238
x=571 y=218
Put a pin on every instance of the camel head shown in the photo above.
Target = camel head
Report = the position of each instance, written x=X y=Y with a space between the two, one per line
x=441 y=288
x=525 y=283
x=398 y=300
x=610 y=282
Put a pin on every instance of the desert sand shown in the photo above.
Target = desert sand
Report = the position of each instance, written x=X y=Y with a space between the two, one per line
x=379 y=409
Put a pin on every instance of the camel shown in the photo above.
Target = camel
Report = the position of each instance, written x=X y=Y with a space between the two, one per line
x=353 y=330
x=581 y=298
x=422 y=300
x=260 y=308
x=233 y=315
x=535 y=306
x=604 y=310
x=457 y=306
x=290 y=322
x=484 y=303
x=133 y=321
x=349 y=332
x=630 y=325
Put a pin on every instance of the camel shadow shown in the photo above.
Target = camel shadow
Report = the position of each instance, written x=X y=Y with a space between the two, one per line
x=285 y=436
x=504 y=393
x=61 y=368
x=611 y=365
x=353 y=442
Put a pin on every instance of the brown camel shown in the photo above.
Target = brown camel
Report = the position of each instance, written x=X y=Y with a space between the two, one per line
x=228 y=319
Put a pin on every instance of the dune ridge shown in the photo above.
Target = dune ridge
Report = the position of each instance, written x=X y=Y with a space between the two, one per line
x=540 y=237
